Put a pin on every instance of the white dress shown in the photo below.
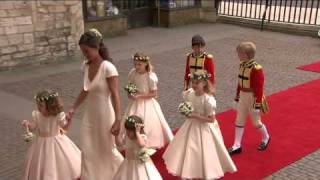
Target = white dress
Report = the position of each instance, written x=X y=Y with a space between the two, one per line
x=132 y=168
x=100 y=158
x=52 y=155
x=155 y=125
x=198 y=150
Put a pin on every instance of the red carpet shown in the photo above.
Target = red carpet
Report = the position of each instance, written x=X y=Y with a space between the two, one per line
x=293 y=123
x=314 y=67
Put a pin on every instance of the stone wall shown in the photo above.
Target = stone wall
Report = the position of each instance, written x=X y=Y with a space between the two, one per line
x=38 y=31
x=178 y=16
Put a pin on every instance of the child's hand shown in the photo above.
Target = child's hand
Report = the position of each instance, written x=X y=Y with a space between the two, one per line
x=138 y=127
x=25 y=123
x=193 y=115
x=134 y=97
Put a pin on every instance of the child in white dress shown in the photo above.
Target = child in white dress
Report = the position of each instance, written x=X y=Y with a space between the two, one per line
x=137 y=164
x=52 y=155
x=197 y=150
x=144 y=103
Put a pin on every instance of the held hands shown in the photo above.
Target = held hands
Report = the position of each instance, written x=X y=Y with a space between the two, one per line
x=115 y=129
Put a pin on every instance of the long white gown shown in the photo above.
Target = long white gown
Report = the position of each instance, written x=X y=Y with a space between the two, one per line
x=198 y=150
x=155 y=125
x=100 y=158
x=52 y=155
x=133 y=168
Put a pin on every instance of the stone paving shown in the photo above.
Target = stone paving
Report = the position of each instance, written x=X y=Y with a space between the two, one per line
x=279 y=54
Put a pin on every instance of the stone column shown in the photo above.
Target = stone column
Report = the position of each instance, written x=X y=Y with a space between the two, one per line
x=208 y=12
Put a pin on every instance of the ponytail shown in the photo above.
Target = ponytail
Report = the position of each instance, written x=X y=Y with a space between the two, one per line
x=104 y=52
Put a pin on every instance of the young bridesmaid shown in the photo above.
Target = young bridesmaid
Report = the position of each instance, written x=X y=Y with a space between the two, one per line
x=197 y=150
x=52 y=155
x=137 y=164
x=143 y=102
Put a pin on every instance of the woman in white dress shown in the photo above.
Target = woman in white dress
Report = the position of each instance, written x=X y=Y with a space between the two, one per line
x=100 y=158
x=144 y=104
x=197 y=150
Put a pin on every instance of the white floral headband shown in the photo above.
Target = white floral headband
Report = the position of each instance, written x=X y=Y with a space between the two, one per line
x=141 y=58
x=195 y=76
x=46 y=98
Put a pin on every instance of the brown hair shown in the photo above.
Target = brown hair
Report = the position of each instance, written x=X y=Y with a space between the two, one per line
x=51 y=100
x=140 y=57
x=249 y=48
x=131 y=122
x=198 y=40
x=93 y=39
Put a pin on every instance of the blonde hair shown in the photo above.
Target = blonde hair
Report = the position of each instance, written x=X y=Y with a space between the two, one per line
x=51 y=100
x=249 y=48
x=202 y=75
x=208 y=88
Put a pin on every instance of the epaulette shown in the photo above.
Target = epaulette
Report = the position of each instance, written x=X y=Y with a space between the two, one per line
x=257 y=66
x=210 y=56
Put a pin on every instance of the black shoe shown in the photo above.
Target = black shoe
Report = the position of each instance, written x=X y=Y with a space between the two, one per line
x=232 y=151
x=263 y=146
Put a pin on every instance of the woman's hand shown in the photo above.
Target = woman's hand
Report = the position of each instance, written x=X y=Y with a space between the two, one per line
x=115 y=129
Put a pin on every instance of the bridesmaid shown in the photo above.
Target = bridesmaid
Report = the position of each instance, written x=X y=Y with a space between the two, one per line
x=101 y=121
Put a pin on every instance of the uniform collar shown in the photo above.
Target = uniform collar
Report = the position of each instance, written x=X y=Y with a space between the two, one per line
x=200 y=56
x=247 y=63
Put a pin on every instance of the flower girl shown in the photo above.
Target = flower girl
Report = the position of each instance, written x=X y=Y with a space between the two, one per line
x=137 y=164
x=197 y=150
x=52 y=155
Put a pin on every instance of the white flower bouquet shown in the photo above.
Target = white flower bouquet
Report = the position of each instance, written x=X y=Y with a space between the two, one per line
x=28 y=136
x=145 y=153
x=185 y=108
x=131 y=88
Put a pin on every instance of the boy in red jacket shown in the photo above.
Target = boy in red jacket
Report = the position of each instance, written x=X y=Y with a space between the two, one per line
x=198 y=60
x=249 y=99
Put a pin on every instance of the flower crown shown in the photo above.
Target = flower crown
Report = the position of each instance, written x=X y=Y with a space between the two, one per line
x=94 y=32
x=132 y=120
x=142 y=58
x=200 y=75
x=46 y=97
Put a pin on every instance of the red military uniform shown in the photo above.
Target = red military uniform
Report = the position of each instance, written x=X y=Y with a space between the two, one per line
x=194 y=63
x=251 y=79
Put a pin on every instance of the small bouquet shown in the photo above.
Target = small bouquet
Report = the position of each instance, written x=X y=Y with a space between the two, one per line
x=131 y=89
x=145 y=153
x=28 y=135
x=185 y=108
